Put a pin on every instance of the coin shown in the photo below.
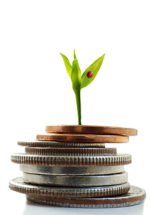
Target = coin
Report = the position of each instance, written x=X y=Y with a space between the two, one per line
x=76 y=181
x=59 y=144
x=70 y=151
x=107 y=160
x=18 y=185
x=83 y=138
x=90 y=129
x=71 y=170
x=135 y=196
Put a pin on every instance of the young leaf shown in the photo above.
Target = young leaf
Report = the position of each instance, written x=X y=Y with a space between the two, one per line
x=76 y=85
x=91 y=72
x=74 y=54
x=76 y=75
x=67 y=64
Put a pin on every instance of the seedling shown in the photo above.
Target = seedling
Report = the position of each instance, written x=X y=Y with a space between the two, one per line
x=78 y=81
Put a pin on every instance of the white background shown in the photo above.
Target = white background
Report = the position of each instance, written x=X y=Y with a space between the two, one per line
x=35 y=90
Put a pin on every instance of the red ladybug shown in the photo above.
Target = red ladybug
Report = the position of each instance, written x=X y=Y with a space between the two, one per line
x=89 y=74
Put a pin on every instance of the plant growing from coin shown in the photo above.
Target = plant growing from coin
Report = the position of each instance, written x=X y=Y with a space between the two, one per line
x=80 y=81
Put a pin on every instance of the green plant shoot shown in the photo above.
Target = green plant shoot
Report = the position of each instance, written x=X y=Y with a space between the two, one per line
x=80 y=81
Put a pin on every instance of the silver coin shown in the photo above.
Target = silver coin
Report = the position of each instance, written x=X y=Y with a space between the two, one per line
x=133 y=197
x=70 y=151
x=18 y=185
x=76 y=181
x=71 y=170
x=60 y=144
x=108 y=160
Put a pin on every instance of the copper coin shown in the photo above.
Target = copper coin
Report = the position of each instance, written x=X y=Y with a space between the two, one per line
x=83 y=138
x=55 y=144
x=20 y=186
x=70 y=151
x=135 y=196
x=91 y=129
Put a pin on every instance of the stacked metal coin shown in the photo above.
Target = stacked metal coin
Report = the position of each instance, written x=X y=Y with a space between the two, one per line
x=70 y=166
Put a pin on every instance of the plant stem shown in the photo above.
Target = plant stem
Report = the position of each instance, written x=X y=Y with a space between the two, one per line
x=78 y=102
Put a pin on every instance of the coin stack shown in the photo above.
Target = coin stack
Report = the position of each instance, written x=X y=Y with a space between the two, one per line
x=71 y=167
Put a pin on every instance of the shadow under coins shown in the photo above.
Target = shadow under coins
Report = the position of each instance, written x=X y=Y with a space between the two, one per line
x=31 y=209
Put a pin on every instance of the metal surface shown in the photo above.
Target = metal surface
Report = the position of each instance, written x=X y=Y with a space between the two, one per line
x=133 y=197
x=71 y=170
x=70 y=167
x=83 y=138
x=37 y=143
x=18 y=185
x=111 y=160
x=90 y=129
x=76 y=181
x=70 y=151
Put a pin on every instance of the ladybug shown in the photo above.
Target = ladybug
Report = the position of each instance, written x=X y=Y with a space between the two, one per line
x=89 y=74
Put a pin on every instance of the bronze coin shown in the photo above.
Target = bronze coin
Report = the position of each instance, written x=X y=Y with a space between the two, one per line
x=91 y=129
x=83 y=138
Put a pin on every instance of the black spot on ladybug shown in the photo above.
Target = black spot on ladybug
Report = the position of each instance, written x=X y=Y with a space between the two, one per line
x=89 y=74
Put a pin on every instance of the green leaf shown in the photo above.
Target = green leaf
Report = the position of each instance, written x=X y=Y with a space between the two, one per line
x=74 y=54
x=76 y=85
x=76 y=75
x=94 y=68
x=67 y=64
